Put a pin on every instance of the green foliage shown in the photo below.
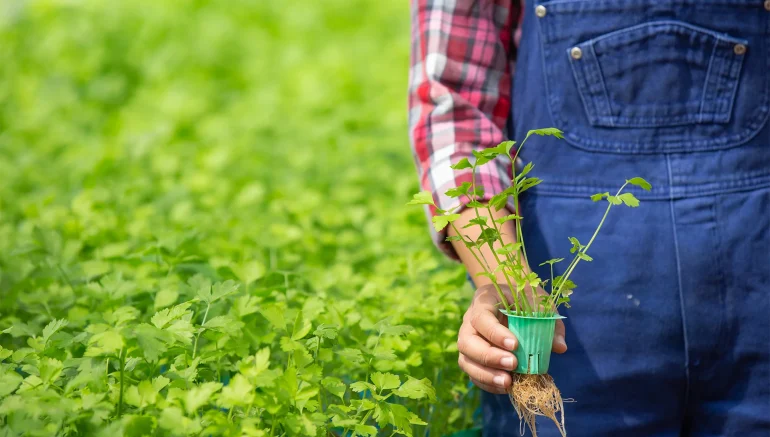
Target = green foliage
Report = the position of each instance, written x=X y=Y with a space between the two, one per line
x=197 y=216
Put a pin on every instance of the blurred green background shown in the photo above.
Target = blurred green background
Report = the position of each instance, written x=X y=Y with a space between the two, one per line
x=143 y=142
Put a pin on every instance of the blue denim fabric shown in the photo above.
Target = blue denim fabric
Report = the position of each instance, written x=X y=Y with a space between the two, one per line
x=669 y=333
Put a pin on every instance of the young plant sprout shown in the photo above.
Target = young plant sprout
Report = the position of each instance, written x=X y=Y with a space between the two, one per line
x=533 y=392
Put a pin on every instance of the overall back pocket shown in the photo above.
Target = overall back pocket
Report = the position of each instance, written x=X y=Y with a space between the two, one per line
x=622 y=79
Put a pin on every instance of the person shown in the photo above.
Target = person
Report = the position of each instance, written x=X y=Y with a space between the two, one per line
x=669 y=329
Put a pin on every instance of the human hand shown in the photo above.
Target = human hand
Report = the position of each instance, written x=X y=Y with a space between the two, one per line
x=485 y=342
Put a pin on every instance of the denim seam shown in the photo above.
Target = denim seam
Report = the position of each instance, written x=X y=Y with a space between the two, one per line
x=604 y=85
x=584 y=96
x=566 y=188
x=571 y=6
x=738 y=66
x=679 y=284
x=706 y=82
x=721 y=261
x=668 y=25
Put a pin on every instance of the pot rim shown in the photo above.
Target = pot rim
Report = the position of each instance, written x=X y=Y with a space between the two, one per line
x=554 y=317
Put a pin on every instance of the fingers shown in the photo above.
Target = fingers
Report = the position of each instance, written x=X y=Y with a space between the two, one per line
x=480 y=351
x=559 y=338
x=489 y=388
x=488 y=326
x=485 y=377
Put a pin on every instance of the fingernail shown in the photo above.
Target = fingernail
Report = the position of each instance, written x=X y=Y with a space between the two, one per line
x=507 y=362
x=560 y=341
x=499 y=380
x=509 y=343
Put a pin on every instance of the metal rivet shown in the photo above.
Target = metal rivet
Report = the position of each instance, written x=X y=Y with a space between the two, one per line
x=540 y=10
x=576 y=53
x=767 y=5
x=739 y=49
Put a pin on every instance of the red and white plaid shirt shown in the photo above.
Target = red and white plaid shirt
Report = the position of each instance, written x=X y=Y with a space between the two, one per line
x=462 y=59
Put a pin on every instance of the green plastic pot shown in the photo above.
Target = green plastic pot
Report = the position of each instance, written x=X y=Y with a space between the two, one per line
x=535 y=335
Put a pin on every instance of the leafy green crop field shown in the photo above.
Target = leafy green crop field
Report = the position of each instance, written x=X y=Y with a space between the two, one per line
x=202 y=224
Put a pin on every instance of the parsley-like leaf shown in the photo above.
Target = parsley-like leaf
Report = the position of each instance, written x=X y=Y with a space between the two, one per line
x=629 y=199
x=639 y=182
x=422 y=198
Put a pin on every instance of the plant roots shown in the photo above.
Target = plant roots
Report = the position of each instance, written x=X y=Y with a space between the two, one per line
x=536 y=395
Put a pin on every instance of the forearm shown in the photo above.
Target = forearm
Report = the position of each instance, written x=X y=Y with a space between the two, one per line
x=484 y=258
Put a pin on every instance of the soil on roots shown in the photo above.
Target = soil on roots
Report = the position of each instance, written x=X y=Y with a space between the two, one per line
x=536 y=395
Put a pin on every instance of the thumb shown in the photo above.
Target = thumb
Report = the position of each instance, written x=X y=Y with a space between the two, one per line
x=559 y=341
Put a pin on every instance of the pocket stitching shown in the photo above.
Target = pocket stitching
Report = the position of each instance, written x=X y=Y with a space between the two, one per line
x=620 y=38
x=752 y=128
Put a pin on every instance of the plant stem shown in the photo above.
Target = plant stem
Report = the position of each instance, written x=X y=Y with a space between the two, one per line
x=514 y=291
x=593 y=237
x=64 y=275
x=122 y=372
x=519 y=233
x=486 y=268
x=363 y=421
x=517 y=222
x=205 y=316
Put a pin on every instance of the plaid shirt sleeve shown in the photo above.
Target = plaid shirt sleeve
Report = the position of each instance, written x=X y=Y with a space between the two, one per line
x=460 y=93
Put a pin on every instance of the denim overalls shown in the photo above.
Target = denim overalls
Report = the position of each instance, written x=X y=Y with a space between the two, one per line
x=669 y=330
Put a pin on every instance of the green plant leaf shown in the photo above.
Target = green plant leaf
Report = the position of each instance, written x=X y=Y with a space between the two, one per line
x=527 y=168
x=527 y=183
x=442 y=221
x=458 y=191
x=575 y=245
x=199 y=396
x=498 y=201
x=422 y=198
x=475 y=204
x=152 y=341
x=552 y=261
x=365 y=431
x=639 y=182
x=53 y=327
x=414 y=388
x=164 y=317
x=326 y=331
x=507 y=218
x=274 y=315
x=360 y=386
x=584 y=256
x=508 y=248
x=462 y=164
x=385 y=381
x=629 y=199
x=488 y=235
x=481 y=159
x=239 y=392
x=334 y=386
x=614 y=200
x=551 y=131
x=501 y=149
x=165 y=297
x=560 y=283
x=302 y=327
x=599 y=196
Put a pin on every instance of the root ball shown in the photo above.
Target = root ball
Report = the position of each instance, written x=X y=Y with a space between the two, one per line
x=536 y=395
